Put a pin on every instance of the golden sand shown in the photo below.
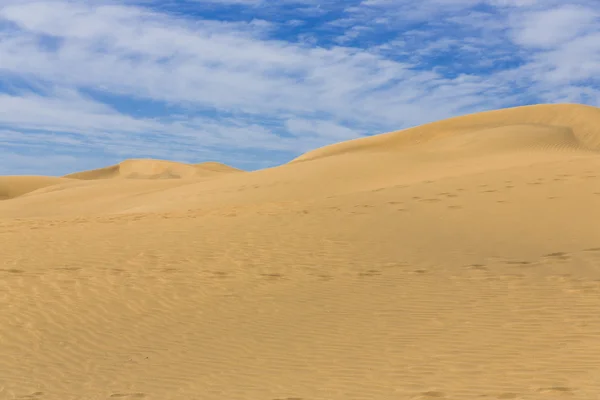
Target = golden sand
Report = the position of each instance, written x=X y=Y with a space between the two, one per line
x=456 y=260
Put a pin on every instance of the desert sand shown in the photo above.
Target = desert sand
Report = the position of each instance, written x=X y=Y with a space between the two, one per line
x=455 y=260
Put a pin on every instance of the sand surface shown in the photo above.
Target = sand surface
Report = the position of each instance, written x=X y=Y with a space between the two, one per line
x=456 y=260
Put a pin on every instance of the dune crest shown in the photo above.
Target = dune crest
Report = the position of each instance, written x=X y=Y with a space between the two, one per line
x=153 y=169
x=545 y=126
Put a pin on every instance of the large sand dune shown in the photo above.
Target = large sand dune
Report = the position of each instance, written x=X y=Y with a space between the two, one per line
x=539 y=126
x=456 y=260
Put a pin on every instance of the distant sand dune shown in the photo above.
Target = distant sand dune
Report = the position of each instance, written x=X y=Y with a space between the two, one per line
x=153 y=169
x=456 y=260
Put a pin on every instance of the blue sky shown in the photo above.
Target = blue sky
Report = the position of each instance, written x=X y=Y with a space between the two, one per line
x=255 y=83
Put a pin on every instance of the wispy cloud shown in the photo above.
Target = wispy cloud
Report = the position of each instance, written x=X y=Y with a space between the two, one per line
x=241 y=84
x=548 y=28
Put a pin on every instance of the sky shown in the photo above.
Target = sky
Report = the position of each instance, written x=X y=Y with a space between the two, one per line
x=255 y=83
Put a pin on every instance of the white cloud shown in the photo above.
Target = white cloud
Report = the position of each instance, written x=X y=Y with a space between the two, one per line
x=66 y=111
x=563 y=44
x=552 y=27
x=214 y=65
x=315 y=128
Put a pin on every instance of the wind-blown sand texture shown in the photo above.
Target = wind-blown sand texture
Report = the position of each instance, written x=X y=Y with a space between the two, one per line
x=456 y=260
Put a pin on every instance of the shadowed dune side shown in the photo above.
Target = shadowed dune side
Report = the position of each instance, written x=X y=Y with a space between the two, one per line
x=153 y=169
x=547 y=125
x=15 y=186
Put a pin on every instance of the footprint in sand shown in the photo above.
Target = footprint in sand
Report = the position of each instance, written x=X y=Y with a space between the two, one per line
x=273 y=276
x=559 y=255
x=35 y=395
x=323 y=277
x=371 y=272
x=219 y=274
x=420 y=271
x=433 y=394
x=518 y=262
x=14 y=271
x=507 y=396
x=477 y=267
x=556 y=390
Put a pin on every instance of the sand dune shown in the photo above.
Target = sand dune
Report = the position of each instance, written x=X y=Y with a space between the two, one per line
x=566 y=125
x=457 y=260
x=154 y=169
x=457 y=147
x=15 y=186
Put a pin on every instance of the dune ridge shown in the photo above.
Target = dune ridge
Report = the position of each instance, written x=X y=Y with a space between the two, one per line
x=153 y=169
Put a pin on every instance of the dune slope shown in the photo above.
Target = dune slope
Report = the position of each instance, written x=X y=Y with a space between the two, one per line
x=462 y=262
x=569 y=125
x=15 y=186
